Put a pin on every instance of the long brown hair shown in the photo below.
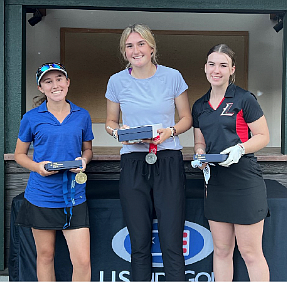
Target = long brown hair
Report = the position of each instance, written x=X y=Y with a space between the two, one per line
x=38 y=100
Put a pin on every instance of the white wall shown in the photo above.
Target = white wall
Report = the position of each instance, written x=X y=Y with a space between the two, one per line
x=265 y=52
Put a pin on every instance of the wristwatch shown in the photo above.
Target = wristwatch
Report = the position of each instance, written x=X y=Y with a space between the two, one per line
x=114 y=132
x=173 y=131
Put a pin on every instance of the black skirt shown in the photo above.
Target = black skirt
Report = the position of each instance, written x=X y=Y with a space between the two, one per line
x=35 y=217
x=236 y=194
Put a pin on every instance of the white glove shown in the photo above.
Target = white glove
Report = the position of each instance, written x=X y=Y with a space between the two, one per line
x=196 y=164
x=235 y=153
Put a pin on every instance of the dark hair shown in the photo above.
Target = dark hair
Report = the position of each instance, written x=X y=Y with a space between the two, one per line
x=38 y=100
x=223 y=48
x=44 y=68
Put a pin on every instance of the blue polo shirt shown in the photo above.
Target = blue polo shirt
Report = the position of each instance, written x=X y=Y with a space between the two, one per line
x=54 y=141
x=227 y=125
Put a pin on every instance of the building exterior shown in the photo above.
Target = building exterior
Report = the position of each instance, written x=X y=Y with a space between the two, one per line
x=12 y=59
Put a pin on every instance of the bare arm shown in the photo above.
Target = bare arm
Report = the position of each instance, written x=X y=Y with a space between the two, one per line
x=184 y=113
x=87 y=155
x=199 y=142
x=185 y=118
x=113 y=116
x=259 y=139
x=22 y=159
x=260 y=136
x=87 y=152
x=112 y=121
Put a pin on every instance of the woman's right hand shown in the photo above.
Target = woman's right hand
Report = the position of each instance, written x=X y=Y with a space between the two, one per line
x=42 y=171
x=200 y=151
x=125 y=127
x=131 y=143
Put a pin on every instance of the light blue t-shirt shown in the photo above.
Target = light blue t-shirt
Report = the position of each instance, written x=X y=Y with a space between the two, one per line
x=147 y=101
x=54 y=141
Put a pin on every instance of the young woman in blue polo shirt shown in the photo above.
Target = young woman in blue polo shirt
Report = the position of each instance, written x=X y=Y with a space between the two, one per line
x=59 y=131
x=229 y=120
x=148 y=93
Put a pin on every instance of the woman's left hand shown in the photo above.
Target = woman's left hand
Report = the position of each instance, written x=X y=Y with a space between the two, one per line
x=84 y=164
x=234 y=155
x=164 y=134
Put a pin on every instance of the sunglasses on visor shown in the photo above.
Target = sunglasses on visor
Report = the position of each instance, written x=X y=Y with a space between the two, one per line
x=53 y=66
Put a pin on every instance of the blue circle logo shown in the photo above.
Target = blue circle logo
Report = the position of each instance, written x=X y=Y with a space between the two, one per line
x=197 y=244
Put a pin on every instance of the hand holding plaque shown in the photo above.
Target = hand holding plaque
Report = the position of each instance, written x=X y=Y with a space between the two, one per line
x=63 y=165
x=80 y=177
x=138 y=133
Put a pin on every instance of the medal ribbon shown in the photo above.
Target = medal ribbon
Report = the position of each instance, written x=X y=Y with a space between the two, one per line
x=152 y=150
x=65 y=195
x=153 y=147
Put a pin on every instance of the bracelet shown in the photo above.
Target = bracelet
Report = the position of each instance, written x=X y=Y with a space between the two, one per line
x=242 y=148
x=173 y=131
x=114 y=132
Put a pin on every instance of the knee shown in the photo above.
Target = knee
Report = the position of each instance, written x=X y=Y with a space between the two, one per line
x=82 y=262
x=45 y=256
x=249 y=255
x=223 y=251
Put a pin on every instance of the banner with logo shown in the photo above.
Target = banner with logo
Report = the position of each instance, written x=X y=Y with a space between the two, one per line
x=110 y=243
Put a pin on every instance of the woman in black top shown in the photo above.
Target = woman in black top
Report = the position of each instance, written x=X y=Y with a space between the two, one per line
x=229 y=120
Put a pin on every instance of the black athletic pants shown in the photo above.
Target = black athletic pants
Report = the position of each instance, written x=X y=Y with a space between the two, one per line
x=159 y=187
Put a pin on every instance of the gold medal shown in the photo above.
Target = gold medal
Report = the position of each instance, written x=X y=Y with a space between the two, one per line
x=81 y=178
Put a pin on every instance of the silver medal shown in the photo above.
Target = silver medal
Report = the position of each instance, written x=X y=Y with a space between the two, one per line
x=151 y=158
